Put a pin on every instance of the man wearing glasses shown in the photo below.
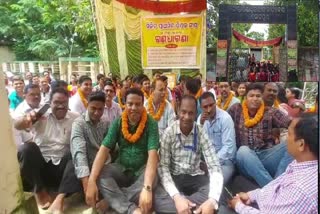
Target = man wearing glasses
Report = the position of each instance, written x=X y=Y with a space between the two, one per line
x=187 y=186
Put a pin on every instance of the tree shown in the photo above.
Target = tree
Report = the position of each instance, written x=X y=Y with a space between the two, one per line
x=256 y=35
x=46 y=30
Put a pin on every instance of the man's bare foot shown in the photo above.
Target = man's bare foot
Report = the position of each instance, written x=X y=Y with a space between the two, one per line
x=43 y=199
x=137 y=211
x=57 y=205
x=102 y=206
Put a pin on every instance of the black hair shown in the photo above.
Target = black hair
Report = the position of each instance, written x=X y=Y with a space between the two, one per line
x=254 y=86
x=29 y=87
x=59 y=90
x=296 y=91
x=189 y=97
x=307 y=128
x=99 y=76
x=206 y=95
x=193 y=86
x=109 y=83
x=282 y=94
x=163 y=78
x=35 y=75
x=266 y=83
x=134 y=91
x=58 y=84
x=97 y=96
x=122 y=82
x=128 y=77
x=84 y=78
x=17 y=78
x=145 y=79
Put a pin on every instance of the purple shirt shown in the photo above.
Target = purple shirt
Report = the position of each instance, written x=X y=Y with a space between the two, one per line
x=295 y=191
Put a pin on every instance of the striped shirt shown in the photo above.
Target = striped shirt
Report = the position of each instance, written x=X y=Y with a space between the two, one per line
x=167 y=117
x=112 y=113
x=180 y=154
x=295 y=191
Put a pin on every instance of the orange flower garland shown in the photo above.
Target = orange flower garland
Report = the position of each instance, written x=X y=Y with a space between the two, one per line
x=145 y=93
x=257 y=118
x=160 y=111
x=122 y=106
x=199 y=93
x=82 y=98
x=227 y=103
x=132 y=138
x=276 y=103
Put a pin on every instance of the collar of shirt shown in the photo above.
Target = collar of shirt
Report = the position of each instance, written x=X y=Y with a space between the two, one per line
x=113 y=105
x=178 y=130
x=297 y=166
x=216 y=117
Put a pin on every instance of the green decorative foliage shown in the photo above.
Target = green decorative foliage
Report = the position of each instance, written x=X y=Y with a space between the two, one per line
x=133 y=54
x=112 y=52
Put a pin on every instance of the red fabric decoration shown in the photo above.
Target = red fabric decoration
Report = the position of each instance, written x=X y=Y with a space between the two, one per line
x=255 y=43
x=167 y=7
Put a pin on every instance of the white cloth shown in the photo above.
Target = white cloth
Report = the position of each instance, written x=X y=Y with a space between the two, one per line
x=211 y=90
x=112 y=113
x=53 y=136
x=76 y=105
x=45 y=97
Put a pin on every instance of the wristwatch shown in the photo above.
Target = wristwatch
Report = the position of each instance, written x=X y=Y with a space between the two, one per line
x=147 y=187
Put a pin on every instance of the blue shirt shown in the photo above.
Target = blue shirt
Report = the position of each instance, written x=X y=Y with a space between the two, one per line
x=221 y=132
x=15 y=100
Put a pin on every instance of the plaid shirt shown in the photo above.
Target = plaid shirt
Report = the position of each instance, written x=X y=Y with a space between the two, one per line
x=295 y=191
x=180 y=154
x=260 y=134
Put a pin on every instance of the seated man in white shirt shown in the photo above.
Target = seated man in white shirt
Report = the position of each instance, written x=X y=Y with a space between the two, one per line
x=159 y=107
x=79 y=102
x=182 y=145
x=112 y=110
x=43 y=164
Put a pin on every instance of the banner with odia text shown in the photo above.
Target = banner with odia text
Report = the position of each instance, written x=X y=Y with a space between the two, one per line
x=171 y=41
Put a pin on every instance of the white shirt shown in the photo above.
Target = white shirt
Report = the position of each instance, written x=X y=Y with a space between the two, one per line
x=53 y=136
x=45 y=97
x=76 y=105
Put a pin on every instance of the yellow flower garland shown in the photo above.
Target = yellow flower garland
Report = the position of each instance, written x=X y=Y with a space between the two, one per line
x=132 y=138
x=122 y=106
x=276 y=103
x=227 y=103
x=257 y=118
x=160 y=111
x=82 y=98
x=199 y=93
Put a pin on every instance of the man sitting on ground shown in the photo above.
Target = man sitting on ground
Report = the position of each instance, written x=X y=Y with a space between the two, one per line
x=182 y=145
x=88 y=131
x=159 y=107
x=120 y=98
x=220 y=128
x=258 y=156
x=112 y=109
x=127 y=184
x=296 y=190
x=16 y=97
x=79 y=102
x=227 y=98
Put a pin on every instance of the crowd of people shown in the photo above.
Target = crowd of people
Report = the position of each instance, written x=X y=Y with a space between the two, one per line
x=137 y=146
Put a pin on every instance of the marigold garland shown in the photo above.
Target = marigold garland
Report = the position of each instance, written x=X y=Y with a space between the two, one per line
x=122 y=106
x=160 y=111
x=132 y=138
x=257 y=118
x=227 y=103
x=145 y=94
x=199 y=93
x=82 y=98
x=276 y=104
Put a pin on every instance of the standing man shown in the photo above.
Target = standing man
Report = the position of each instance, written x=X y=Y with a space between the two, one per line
x=112 y=109
x=296 y=190
x=79 y=102
x=227 y=98
x=16 y=97
x=159 y=107
x=187 y=187
x=134 y=172
x=258 y=156
x=45 y=90
x=220 y=128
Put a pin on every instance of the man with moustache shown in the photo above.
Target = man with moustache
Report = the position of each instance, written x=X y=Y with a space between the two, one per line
x=182 y=145
x=79 y=102
x=127 y=184
x=227 y=98
x=112 y=109
x=258 y=157
x=45 y=90
x=120 y=98
x=220 y=128
x=44 y=162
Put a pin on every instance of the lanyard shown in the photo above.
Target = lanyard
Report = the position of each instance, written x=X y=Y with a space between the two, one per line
x=195 y=141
